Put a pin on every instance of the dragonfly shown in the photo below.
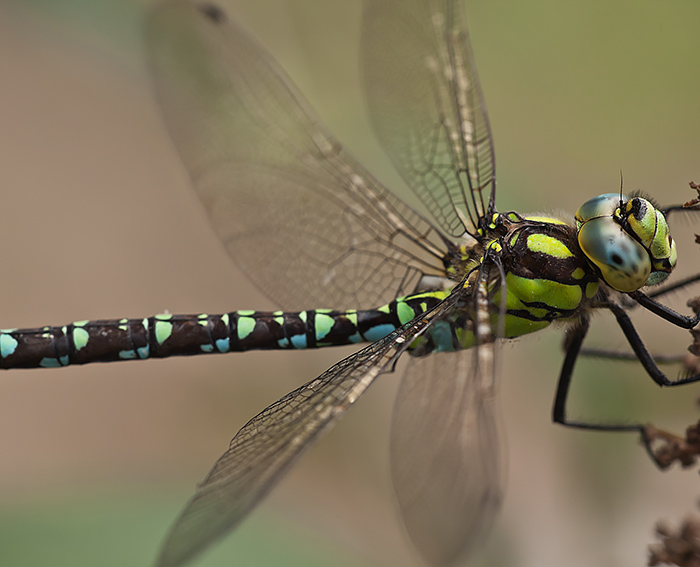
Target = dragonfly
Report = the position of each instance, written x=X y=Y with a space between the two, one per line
x=311 y=226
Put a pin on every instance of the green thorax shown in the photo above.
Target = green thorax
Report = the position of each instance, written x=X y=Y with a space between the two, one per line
x=552 y=270
x=547 y=275
x=547 y=278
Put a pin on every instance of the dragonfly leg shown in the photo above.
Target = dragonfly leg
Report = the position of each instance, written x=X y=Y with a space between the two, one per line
x=675 y=318
x=648 y=301
x=630 y=356
x=574 y=340
x=657 y=308
x=641 y=351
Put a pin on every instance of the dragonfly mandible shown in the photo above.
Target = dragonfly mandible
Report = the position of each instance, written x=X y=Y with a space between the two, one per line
x=311 y=226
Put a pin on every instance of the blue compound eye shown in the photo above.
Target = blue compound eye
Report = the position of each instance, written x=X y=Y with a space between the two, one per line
x=623 y=262
x=600 y=206
x=628 y=240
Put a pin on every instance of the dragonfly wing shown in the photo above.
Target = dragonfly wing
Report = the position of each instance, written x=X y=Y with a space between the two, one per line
x=445 y=454
x=268 y=444
x=306 y=222
x=427 y=107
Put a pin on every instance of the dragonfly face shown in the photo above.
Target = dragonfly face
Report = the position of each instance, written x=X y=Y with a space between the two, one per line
x=628 y=240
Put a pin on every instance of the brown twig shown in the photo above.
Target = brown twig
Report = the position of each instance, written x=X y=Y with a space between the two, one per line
x=693 y=202
x=671 y=447
x=677 y=546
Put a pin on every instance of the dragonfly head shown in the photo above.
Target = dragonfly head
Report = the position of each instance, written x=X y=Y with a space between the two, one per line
x=628 y=240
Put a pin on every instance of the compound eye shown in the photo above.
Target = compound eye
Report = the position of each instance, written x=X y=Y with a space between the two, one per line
x=649 y=226
x=600 y=206
x=622 y=261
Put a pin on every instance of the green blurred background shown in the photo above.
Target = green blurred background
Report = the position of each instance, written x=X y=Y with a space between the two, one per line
x=98 y=222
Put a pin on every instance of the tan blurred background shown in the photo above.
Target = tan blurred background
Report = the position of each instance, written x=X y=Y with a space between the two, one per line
x=98 y=222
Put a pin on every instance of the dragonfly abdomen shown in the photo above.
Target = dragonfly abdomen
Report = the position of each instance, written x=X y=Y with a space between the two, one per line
x=168 y=335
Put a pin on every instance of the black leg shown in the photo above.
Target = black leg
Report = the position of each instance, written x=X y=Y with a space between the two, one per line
x=574 y=340
x=662 y=311
x=648 y=302
x=641 y=351
x=629 y=356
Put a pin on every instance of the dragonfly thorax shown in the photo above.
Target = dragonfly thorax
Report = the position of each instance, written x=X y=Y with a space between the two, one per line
x=627 y=240
x=547 y=276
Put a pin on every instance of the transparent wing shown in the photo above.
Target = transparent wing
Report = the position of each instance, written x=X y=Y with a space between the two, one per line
x=268 y=444
x=306 y=222
x=445 y=456
x=427 y=107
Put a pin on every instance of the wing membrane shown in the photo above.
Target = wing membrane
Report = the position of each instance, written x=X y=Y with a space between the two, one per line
x=305 y=221
x=445 y=456
x=268 y=444
x=427 y=107
x=444 y=451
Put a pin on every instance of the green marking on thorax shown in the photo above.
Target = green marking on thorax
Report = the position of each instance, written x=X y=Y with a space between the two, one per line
x=542 y=218
x=548 y=245
x=519 y=326
x=557 y=295
x=591 y=289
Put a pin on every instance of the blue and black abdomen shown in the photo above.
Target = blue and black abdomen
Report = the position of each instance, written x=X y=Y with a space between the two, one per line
x=167 y=335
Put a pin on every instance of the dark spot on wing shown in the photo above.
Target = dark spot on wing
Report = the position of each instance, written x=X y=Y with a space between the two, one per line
x=213 y=12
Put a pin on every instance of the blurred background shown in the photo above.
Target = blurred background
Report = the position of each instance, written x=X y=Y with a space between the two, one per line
x=98 y=221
